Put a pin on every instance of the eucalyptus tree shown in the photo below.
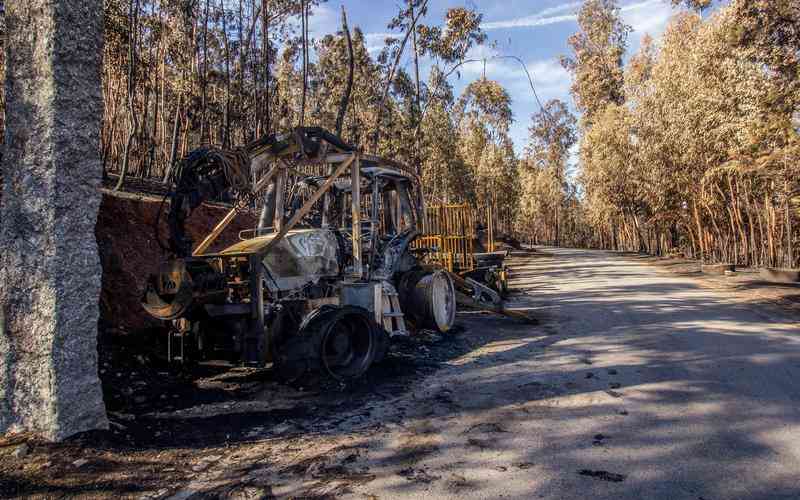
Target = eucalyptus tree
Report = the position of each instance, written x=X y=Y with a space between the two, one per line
x=483 y=116
x=331 y=71
x=596 y=62
x=445 y=45
x=444 y=171
x=700 y=152
x=552 y=134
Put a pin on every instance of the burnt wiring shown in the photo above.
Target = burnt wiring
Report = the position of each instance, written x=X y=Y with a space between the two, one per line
x=205 y=174
x=225 y=175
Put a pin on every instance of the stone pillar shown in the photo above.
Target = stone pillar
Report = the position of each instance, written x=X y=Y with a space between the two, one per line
x=49 y=265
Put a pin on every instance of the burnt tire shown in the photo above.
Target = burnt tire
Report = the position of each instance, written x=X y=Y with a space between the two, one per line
x=429 y=299
x=341 y=342
x=347 y=339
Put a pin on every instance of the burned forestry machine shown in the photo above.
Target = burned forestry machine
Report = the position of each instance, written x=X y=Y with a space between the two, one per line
x=323 y=282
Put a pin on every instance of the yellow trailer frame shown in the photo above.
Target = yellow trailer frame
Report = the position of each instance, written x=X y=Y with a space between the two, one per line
x=448 y=231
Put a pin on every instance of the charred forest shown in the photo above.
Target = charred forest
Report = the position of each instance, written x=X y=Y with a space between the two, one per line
x=688 y=146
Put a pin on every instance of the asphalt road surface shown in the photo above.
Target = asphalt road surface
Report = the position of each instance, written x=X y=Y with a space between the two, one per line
x=635 y=384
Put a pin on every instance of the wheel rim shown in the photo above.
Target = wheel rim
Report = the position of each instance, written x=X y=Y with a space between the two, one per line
x=443 y=301
x=348 y=346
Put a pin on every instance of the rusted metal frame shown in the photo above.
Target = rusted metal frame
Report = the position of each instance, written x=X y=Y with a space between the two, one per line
x=265 y=151
x=405 y=205
x=378 y=301
x=386 y=163
x=472 y=234
x=280 y=193
x=308 y=205
x=463 y=223
x=398 y=220
x=222 y=224
x=355 y=209
x=295 y=170
x=491 y=227
x=374 y=222
x=326 y=203
x=388 y=220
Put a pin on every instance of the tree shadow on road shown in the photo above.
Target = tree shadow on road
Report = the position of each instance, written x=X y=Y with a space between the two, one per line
x=698 y=397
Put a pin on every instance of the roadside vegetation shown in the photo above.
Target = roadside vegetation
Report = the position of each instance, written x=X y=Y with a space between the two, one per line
x=179 y=74
x=691 y=147
x=688 y=146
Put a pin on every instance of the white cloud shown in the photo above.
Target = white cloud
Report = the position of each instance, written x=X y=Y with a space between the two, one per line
x=549 y=77
x=379 y=37
x=568 y=13
x=648 y=17
x=322 y=21
x=550 y=80
x=549 y=73
x=376 y=41
x=479 y=53
x=529 y=22
x=541 y=18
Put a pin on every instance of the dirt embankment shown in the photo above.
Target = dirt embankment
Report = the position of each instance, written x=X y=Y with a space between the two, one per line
x=129 y=252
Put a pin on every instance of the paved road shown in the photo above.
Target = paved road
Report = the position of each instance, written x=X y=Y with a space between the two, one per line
x=637 y=384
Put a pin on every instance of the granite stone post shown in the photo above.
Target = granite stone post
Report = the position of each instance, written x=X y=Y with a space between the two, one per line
x=49 y=265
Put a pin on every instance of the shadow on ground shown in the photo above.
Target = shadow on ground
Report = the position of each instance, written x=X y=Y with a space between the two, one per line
x=721 y=374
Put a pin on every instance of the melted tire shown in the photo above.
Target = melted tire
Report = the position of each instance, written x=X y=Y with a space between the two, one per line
x=341 y=342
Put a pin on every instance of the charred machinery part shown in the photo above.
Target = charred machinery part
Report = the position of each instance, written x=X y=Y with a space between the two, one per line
x=313 y=288
x=429 y=298
x=267 y=211
x=349 y=342
x=205 y=174
x=472 y=293
x=211 y=174
x=490 y=270
x=346 y=338
x=452 y=232
x=181 y=285
x=341 y=342
x=484 y=294
x=394 y=321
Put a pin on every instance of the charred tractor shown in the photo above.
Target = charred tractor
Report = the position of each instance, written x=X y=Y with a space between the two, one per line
x=326 y=278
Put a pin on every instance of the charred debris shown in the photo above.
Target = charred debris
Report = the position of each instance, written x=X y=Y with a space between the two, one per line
x=327 y=278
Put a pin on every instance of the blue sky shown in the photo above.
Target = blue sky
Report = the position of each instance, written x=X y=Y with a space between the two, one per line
x=536 y=31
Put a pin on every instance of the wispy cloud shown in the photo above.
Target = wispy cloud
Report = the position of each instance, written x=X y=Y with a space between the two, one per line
x=379 y=36
x=549 y=77
x=560 y=14
x=647 y=17
x=544 y=17
x=323 y=21
x=375 y=41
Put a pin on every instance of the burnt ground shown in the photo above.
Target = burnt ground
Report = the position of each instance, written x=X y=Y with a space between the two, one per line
x=219 y=404
x=635 y=383
x=165 y=421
